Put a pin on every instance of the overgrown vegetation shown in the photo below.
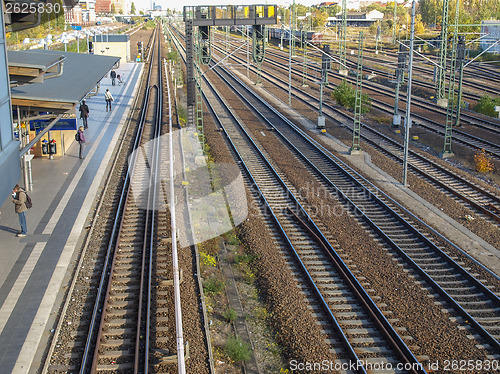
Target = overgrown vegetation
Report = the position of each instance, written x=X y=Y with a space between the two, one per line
x=236 y=349
x=483 y=164
x=230 y=315
x=213 y=286
x=149 y=25
x=345 y=95
x=486 y=105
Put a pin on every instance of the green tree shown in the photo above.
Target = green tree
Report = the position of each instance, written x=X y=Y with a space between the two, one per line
x=345 y=95
x=132 y=8
x=113 y=10
x=319 y=17
x=486 y=105
x=333 y=10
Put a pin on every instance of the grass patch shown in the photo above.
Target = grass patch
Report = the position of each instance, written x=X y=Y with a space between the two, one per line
x=213 y=286
x=230 y=315
x=232 y=238
x=236 y=349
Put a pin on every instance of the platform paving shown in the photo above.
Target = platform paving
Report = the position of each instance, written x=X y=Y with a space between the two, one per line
x=33 y=268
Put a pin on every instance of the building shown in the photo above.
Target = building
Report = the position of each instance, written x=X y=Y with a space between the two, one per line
x=102 y=6
x=490 y=32
x=73 y=15
x=10 y=166
x=113 y=45
x=357 y=19
x=88 y=10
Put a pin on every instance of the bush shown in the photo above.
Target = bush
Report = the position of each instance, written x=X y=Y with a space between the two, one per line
x=230 y=315
x=345 y=95
x=213 y=286
x=236 y=349
x=486 y=105
x=483 y=164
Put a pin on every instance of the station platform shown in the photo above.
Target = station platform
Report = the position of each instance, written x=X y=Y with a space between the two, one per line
x=33 y=268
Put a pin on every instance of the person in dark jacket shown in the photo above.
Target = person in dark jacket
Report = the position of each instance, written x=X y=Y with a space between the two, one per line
x=81 y=141
x=84 y=113
x=113 y=77
x=19 y=199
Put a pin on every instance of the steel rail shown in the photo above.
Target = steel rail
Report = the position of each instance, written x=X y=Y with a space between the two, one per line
x=429 y=124
x=486 y=208
x=355 y=179
x=390 y=334
x=110 y=253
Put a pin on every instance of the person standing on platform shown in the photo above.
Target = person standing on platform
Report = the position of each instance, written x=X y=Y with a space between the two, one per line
x=19 y=199
x=84 y=113
x=113 y=77
x=81 y=140
x=109 y=98
x=119 y=79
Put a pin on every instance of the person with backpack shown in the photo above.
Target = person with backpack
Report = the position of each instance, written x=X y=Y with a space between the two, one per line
x=22 y=203
x=80 y=138
x=84 y=113
x=109 y=98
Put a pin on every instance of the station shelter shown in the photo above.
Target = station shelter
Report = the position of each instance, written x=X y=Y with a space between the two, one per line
x=47 y=88
x=112 y=45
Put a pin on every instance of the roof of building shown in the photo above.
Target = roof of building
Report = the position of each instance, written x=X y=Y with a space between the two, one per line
x=111 y=38
x=35 y=70
x=81 y=73
x=42 y=61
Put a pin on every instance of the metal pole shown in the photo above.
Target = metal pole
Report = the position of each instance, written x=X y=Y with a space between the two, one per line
x=459 y=101
x=175 y=262
x=394 y=23
x=290 y=62
x=408 y=98
x=248 y=54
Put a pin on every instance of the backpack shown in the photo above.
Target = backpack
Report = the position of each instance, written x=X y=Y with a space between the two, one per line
x=77 y=136
x=28 y=203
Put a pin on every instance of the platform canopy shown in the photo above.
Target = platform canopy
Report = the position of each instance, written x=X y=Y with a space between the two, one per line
x=80 y=74
x=42 y=66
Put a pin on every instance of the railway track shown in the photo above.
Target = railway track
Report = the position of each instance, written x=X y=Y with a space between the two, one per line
x=126 y=323
x=357 y=329
x=400 y=235
x=475 y=197
x=123 y=327
x=389 y=221
x=491 y=126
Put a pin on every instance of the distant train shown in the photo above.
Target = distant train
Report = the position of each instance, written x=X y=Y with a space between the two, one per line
x=311 y=36
x=275 y=34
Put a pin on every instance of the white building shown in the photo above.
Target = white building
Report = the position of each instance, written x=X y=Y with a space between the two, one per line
x=490 y=32
x=88 y=10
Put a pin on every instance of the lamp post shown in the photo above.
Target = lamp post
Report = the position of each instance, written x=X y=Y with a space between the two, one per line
x=65 y=42
x=77 y=36
x=408 y=98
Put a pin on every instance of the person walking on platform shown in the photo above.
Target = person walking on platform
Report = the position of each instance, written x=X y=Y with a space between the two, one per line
x=84 y=113
x=119 y=79
x=19 y=199
x=109 y=98
x=80 y=137
x=113 y=77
